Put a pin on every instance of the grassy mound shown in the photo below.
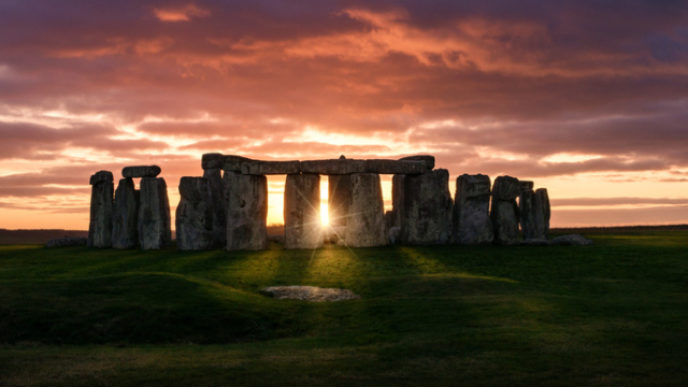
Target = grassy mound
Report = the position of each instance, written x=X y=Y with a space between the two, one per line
x=611 y=313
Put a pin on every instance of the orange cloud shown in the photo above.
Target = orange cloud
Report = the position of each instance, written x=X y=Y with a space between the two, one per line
x=180 y=14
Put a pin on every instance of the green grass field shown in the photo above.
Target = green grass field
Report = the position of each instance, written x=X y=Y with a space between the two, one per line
x=615 y=313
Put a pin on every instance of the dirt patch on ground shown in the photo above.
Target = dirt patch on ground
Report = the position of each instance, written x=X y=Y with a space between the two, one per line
x=310 y=293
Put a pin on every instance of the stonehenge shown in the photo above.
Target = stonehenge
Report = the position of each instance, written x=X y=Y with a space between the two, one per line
x=302 y=229
x=125 y=233
x=154 y=214
x=364 y=224
x=212 y=170
x=194 y=216
x=426 y=210
x=100 y=223
x=226 y=207
x=471 y=222
x=127 y=218
x=504 y=211
x=246 y=197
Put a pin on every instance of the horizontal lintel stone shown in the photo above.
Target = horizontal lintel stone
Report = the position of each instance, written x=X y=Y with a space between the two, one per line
x=141 y=171
x=257 y=167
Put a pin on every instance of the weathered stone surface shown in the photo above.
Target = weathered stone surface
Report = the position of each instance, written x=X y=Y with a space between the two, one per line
x=310 y=293
x=154 y=214
x=302 y=223
x=334 y=166
x=527 y=213
x=271 y=167
x=234 y=163
x=339 y=199
x=194 y=220
x=141 y=171
x=365 y=222
x=542 y=212
x=471 y=223
x=397 y=200
x=100 y=224
x=218 y=206
x=247 y=208
x=66 y=242
x=395 y=166
x=526 y=185
x=125 y=215
x=427 y=159
x=506 y=188
x=212 y=161
x=570 y=240
x=505 y=210
x=427 y=211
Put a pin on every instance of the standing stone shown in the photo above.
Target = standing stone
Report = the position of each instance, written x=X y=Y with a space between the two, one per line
x=154 y=214
x=542 y=212
x=100 y=223
x=302 y=223
x=125 y=215
x=338 y=199
x=427 y=208
x=526 y=210
x=471 y=221
x=247 y=209
x=397 y=199
x=505 y=210
x=218 y=206
x=365 y=222
x=194 y=220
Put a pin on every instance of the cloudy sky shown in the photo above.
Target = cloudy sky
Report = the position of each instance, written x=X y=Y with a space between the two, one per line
x=586 y=98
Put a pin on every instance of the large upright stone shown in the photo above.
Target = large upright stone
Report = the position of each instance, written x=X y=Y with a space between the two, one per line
x=427 y=211
x=542 y=212
x=100 y=223
x=218 y=206
x=247 y=209
x=141 y=171
x=125 y=215
x=338 y=199
x=526 y=211
x=194 y=220
x=154 y=214
x=397 y=199
x=365 y=221
x=505 y=210
x=471 y=223
x=302 y=223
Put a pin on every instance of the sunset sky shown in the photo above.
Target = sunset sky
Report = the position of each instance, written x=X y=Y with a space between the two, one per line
x=586 y=98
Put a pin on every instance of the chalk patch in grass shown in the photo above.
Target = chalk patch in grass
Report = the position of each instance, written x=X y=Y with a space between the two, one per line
x=310 y=293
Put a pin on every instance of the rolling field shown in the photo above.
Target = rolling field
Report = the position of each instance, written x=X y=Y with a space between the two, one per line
x=615 y=313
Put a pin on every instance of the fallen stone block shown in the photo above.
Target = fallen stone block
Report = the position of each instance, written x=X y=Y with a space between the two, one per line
x=570 y=240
